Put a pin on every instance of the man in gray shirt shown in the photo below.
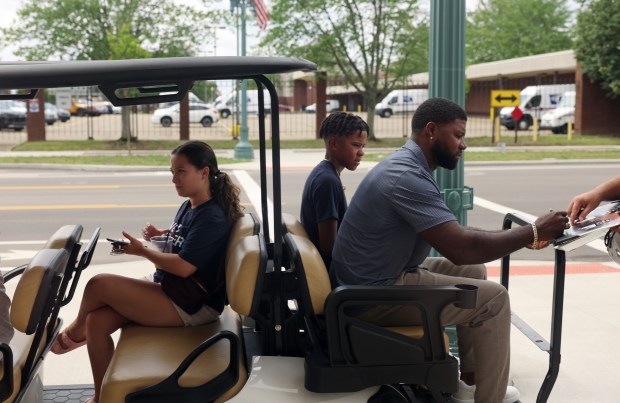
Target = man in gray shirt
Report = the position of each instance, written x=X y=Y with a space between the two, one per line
x=397 y=214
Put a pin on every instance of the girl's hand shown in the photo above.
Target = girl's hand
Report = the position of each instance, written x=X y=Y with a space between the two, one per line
x=135 y=246
x=150 y=231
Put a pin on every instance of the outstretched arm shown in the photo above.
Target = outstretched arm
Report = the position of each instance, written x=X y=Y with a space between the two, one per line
x=170 y=262
x=463 y=245
x=582 y=204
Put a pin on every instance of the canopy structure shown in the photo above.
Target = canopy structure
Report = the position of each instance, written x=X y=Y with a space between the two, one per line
x=149 y=76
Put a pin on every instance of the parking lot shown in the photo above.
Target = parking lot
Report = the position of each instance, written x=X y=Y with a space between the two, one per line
x=293 y=125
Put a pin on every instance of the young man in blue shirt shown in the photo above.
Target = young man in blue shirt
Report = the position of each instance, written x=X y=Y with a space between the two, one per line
x=323 y=201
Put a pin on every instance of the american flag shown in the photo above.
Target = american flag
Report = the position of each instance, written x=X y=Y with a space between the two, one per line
x=261 y=13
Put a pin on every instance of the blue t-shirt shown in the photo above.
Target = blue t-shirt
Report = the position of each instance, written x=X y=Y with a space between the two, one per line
x=323 y=199
x=200 y=236
x=379 y=237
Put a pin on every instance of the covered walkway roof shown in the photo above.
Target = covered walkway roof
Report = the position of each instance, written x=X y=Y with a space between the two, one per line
x=528 y=66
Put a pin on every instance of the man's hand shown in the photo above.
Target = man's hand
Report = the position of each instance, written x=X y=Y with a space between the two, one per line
x=551 y=226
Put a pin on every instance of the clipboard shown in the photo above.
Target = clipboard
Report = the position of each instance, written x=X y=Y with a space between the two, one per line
x=595 y=225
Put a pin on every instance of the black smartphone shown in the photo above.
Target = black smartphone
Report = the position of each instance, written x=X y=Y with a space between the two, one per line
x=117 y=242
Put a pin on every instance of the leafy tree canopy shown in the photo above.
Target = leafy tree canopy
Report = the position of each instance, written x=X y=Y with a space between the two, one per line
x=372 y=44
x=597 y=43
x=505 y=29
x=107 y=29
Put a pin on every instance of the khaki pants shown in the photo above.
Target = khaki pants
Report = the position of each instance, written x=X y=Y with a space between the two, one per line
x=483 y=332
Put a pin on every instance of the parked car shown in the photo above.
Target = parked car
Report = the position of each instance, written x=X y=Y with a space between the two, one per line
x=84 y=107
x=331 y=105
x=557 y=120
x=12 y=115
x=50 y=116
x=198 y=113
x=63 y=114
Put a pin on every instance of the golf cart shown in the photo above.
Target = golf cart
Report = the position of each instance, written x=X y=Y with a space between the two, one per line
x=285 y=334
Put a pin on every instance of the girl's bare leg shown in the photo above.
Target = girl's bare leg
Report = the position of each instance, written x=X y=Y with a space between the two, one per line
x=100 y=324
x=139 y=301
x=109 y=302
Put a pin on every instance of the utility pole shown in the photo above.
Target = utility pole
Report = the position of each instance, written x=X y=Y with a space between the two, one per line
x=447 y=80
x=243 y=149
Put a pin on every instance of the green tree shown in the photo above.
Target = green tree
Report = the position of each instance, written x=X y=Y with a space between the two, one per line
x=597 y=43
x=372 y=44
x=100 y=29
x=505 y=29
x=107 y=30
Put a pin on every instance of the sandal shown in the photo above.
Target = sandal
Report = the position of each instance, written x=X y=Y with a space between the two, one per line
x=90 y=400
x=63 y=344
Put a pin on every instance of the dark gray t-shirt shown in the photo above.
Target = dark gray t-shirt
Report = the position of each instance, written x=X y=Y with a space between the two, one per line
x=323 y=199
x=379 y=236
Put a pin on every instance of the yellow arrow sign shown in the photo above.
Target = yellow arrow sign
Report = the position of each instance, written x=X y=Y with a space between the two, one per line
x=501 y=98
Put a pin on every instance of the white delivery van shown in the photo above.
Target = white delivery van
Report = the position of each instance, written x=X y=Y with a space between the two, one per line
x=536 y=100
x=401 y=101
x=331 y=105
x=228 y=104
x=557 y=119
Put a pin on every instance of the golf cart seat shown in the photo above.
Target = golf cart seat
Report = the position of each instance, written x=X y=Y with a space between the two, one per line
x=31 y=309
x=193 y=364
x=31 y=343
x=339 y=358
x=291 y=224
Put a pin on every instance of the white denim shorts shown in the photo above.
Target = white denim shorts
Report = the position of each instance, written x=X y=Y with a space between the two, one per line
x=206 y=314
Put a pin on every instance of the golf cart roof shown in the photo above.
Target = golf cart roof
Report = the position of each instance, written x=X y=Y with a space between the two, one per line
x=175 y=74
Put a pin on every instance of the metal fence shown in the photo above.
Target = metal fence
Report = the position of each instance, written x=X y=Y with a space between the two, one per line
x=294 y=124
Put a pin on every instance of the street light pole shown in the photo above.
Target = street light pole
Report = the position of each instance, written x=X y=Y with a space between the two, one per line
x=447 y=80
x=214 y=28
x=243 y=149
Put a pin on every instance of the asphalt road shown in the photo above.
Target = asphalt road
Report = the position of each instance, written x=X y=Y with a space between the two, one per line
x=36 y=202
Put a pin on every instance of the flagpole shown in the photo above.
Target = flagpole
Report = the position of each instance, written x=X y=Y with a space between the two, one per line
x=243 y=149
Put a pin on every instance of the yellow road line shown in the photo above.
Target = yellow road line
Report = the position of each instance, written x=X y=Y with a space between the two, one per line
x=80 y=187
x=89 y=206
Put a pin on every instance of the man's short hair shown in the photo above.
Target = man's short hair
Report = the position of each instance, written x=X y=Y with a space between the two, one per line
x=437 y=110
x=341 y=124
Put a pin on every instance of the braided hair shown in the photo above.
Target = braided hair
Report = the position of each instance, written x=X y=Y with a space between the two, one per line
x=342 y=124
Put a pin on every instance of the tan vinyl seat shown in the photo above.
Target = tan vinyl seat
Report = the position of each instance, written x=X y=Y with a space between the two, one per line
x=64 y=238
x=31 y=307
x=292 y=225
x=146 y=358
x=319 y=286
x=339 y=360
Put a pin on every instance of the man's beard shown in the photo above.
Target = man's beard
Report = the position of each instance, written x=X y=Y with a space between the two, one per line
x=443 y=157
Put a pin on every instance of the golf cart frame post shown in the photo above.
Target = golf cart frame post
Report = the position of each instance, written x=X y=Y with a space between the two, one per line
x=552 y=347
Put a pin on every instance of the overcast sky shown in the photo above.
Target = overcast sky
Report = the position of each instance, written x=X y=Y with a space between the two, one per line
x=226 y=38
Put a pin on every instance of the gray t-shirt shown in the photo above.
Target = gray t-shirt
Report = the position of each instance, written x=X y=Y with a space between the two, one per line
x=379 y=237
